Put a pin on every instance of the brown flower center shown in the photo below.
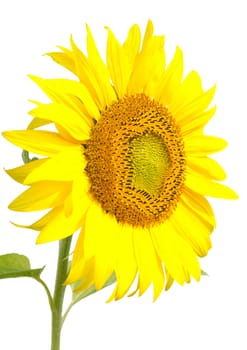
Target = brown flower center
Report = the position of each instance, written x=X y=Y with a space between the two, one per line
x=136 y=161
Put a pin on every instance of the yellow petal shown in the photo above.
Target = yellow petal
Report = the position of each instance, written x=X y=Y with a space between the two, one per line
x=190 y=88
x=100 y=230
x=20 y=173
x=157 y=66
x=83 y=273
x=87 y=274
x=179 y=258
x=68 y=204
x=40 y=196
x=192 y=229
x=71 y=93
x=149 y=266
x=132 y=43
x=208 y=167
x=169 y=280
x=81 y=269
x=43 y=221
x=200 y=205
x=87 y=76
x=99 y=68
x=203 y=145
x=171 y=79
x=80 y=190
x=64 y=134
x=148 y=33
x=149 y=63
x=70 y=120
x=148 y=67
x=118 y=63
x=37 y=123
x=185 y=113
x=45 y=143
x=125 y=264
x=65 y=166
x=65 y=59
x=78 y=260
x=197 y=121
x=61 y=225
x=208 y=188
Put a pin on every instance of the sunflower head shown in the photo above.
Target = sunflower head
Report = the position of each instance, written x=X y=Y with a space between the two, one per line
x=127 y=164
x=134 y=158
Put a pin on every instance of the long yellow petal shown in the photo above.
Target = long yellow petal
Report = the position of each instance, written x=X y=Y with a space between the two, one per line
x=206 y=187
x=196 y=106
x=37 y=123
x=171 y=79
x=200 y=205
x=65 y=59
x=149 y=63
x=80 y=190
x=118 y=63
x=179 y=258
x=197 y=121
x=206 y=166
x=125 y=264
x=70 y=120
x=65 y=166
x=83 y=274
x=148 y=33
x=87 y=76
x=43 y=221
x=78 y=260
x=99 y=68
x=192 y=229
x=20 y=173
x=132 y=43
x=203 y=145
x=64 y=134
x=190 y=88
x=40 y=196
x=149 y=265
x=81 y=270
x=71 y=93
x=87 y=273
x=148 y=67
x=45 y=143
x=61 y=226
x=100 y=235
x=144 y=63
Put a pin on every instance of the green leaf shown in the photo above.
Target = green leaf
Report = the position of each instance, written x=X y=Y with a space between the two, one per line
x=16 y=265
x=77 y=296
x=203 y=273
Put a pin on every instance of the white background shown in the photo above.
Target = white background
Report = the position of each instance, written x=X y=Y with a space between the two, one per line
x=207 y=315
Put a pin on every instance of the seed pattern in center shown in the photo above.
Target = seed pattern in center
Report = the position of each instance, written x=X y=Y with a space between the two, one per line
x=136 y=161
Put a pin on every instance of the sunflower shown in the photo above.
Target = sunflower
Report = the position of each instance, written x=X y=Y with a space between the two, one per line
x=126 y=163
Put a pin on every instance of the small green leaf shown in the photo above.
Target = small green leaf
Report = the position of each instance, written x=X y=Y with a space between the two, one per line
x=203 y=273
x=77 y=296
x=16 y=265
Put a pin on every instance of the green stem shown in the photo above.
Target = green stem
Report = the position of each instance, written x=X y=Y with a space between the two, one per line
x=59 y=290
